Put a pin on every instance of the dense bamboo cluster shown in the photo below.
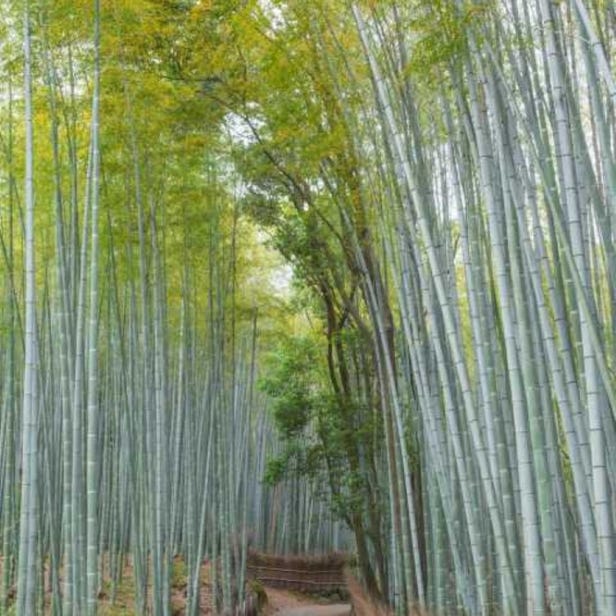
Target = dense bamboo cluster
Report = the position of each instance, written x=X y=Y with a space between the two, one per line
x=499 y=193
x=132 y=432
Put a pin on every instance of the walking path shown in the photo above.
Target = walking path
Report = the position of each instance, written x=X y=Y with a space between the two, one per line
x=338 y=609
x=285 y=603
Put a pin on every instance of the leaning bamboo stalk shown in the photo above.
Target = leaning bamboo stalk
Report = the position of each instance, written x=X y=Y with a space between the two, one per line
x=28 y=531
x=92 y=423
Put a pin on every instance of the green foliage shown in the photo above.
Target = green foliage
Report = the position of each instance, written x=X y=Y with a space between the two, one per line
x=441 y=31
x=292 y=385
x=321 y=432
x=257 y=590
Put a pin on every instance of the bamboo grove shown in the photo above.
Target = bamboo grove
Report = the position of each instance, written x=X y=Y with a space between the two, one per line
x=433 y=391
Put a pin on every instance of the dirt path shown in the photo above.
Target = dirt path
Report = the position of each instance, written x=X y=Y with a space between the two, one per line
x=285 y=603
x=339 y=609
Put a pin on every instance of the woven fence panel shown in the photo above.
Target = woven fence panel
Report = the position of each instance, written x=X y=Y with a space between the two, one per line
x=304 y=574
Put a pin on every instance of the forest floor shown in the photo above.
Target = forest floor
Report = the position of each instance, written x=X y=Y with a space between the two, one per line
x=123 y=603
x=120 y=600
